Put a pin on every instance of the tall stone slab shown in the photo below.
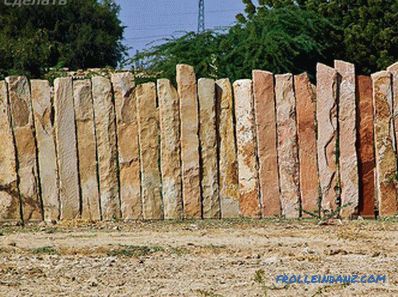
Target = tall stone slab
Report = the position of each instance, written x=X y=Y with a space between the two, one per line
x=169 y=121
x=348 y=160
x=287 y=145
x=228 y=163
x=264 y=106
x=43 y=115
x=148 y=127
x=393 y=69
x=366 y=159
x=326 y=115
x=65 y=135
x=105 y=127
x=208 y=148
x=87 y=150
x=386 y=160
x=190 y=170
x=247 y=149
x=127 y=133
x=9 y=196
x=306 y=134
x=22 y=122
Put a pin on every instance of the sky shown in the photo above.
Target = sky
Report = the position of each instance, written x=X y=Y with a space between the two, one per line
x=149 y=21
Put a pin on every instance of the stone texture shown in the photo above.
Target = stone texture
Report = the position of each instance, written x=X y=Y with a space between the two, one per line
x=105 y=127
x=366 y=159
x=9 y=196
x=228 y=163
x=148 y=127
x=208 y=148
x=264 y=106
x=386 y=160
x=22 y=122
x=127 y=131
x=287 y=145
x=246 y=143
x=42 y=112
x=87 y=150
x=306 y=134
x=169 y=120
x=393 y=69
x=66 y=149
x=326 y=94
x=186 y=82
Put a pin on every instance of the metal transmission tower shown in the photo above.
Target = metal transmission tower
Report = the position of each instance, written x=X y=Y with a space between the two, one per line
x=201 y=17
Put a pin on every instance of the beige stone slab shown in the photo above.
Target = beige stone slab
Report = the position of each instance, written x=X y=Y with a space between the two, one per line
x=393 y=69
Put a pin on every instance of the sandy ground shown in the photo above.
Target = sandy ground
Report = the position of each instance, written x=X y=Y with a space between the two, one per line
x=205 y=258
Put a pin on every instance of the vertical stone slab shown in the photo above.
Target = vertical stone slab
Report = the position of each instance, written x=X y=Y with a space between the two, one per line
x=386 y=160
x=22 y=122
x=305 y=111
x=169 y=120
x=247 y=149
x=127 y=133
x=393 y=69
x=287 y=145
x=148 y=127
x=87 y=151
x=42 y=111
x=105 y=127
x=9 y=196
x=264 y=106
x=186 y=82
x=65 y=135
x=228 y=163
x=326 y=115
x=208 y=146
x=366 y=159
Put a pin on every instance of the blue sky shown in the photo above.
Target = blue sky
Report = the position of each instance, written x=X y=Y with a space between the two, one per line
x=150 y=20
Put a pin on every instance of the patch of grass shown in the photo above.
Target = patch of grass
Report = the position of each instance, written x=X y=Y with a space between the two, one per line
x=45 y=250
x=134 y=251
x=205 y=293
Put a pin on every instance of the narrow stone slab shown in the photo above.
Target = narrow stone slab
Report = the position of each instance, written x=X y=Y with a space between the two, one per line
x=208 y=146
x=169 y=119
x=87 y=151
x=366 y=159
x=228 y=163
x=127 y=131
x=326 y=115
x=186 y=82
x=9 y=196
x=246 y=143
x=148 y=127
x=42 y=111
x=105 y=127
x=264 y=106
x=386 y=160
x=393 y=69
x=22 y=122
x=287 y=145
x=305 y=112
x=66 y=149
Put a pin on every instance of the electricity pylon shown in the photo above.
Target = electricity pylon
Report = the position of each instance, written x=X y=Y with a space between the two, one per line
x=201 y=17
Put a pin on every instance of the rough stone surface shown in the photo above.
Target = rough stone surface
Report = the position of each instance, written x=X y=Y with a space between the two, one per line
x=105 y=127
x=22 y=122
x=148 y=127
x=366 y=160
x=186 y=82
x=87 y=151
x=127 y=131
x=386 y=160
x=228 y=163
x=393 y=69
x=169 y=120
x=42 y=112
x=208 y=147
x=246 y=143
x=9 y=196
x=264 y=106
x=287 y=145
x=326 y=94
x=306 y=133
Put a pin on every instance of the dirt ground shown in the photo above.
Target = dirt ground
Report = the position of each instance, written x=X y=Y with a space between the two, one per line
x=202 y=258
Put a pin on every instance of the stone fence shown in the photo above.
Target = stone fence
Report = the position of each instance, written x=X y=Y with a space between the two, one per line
x=104 y=148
